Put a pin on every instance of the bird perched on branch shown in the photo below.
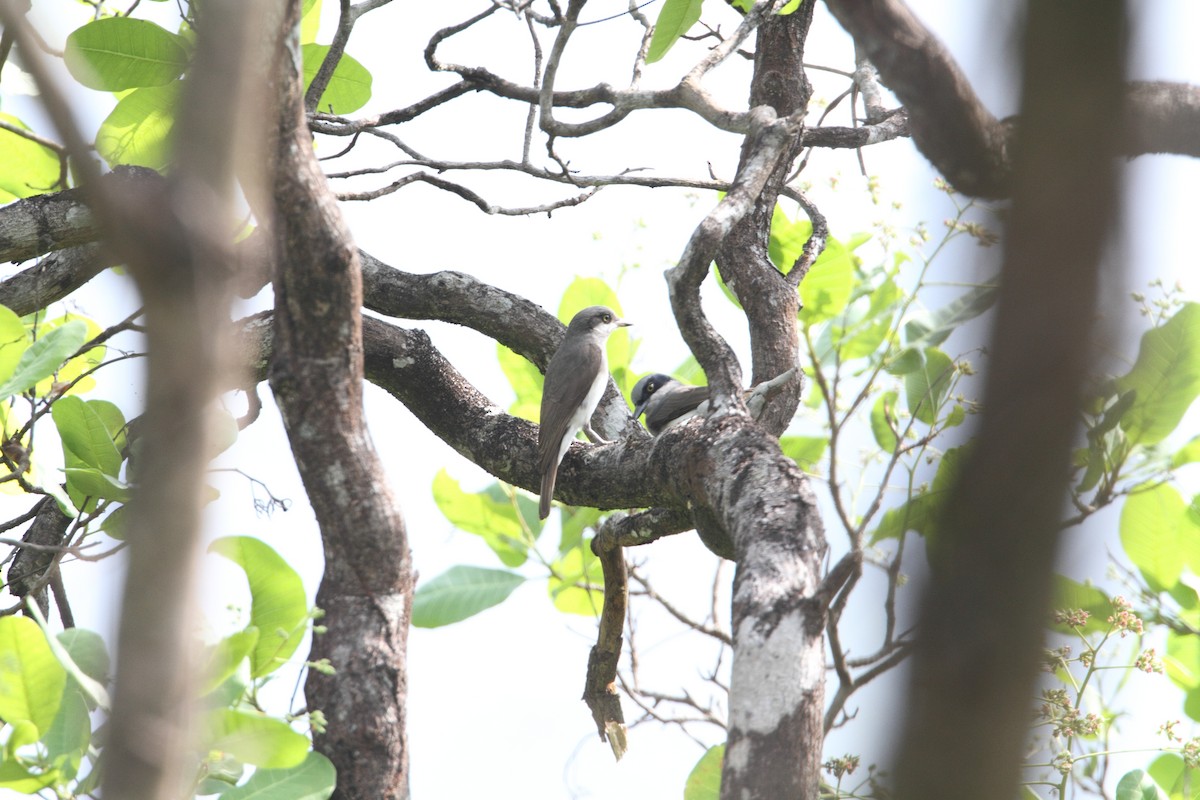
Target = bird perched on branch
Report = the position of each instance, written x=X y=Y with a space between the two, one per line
x=667 y=402
x=575 y=381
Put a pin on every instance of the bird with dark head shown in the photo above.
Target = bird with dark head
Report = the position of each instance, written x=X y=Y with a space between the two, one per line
x=575 y=381
x=666 y=402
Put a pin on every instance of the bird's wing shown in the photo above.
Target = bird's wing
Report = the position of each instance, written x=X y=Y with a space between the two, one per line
x=566 y=387
x=669 y=405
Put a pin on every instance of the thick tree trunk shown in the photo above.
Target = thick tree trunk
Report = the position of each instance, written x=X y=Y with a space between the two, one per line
x=317 y=377
x=986 y=608
x=777 y=695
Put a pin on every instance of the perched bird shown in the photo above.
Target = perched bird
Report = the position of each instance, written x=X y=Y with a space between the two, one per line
x=575 y=381
x=666 y=401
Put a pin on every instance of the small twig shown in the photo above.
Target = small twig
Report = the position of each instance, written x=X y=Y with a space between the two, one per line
x=720 y=635
x=816 y=241
x=25 y=133
x=59 y=591
x=337 y=49
x=531 y=117
x=470 y=196
x=358 y=9
x=21 y=520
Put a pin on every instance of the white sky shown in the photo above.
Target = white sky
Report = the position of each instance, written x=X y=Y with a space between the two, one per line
x=494 y=707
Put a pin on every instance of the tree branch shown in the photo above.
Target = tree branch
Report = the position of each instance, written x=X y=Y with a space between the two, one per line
x=949 y=124
x=317 y=377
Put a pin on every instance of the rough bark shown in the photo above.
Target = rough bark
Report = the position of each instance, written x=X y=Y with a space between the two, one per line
x=771 y=302
x=777 y=689
x=987 y=603
x=317 y=376
x=27 y=573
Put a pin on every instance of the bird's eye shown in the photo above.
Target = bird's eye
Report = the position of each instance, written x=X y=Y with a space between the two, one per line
x=607 y=317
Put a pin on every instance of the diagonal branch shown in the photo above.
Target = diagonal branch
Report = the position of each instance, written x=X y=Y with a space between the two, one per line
x=949 y=123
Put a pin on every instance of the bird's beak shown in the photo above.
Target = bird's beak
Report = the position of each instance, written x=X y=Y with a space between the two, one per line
x=637 y=412
x=623 y=324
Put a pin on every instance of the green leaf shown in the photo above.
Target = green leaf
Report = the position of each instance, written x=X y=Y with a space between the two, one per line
x=222 y=772
x=1180 y=781
x=14 y=341
x=497 y=523
x=116 y=523
x=1138 y=785
x=118 y=53
x=1182 y=660
x=883 y=421
x=704 y=781
x=1188 y=454
x=1158 y=535
x=31 y=679
x=674 y=20
x=806 y=451
x=138 y=131
x=310 y=20
x=577 y=582
x=92 y=483
x=922 y=513
x=905 y=362
x=461 y=592
x=1166 y=377
x=86 y=435
x=71 y=732
x=113 y=419
x=73 y=367
x=255 y=738
x=576 y=520
x=527 y=507
x=956 y=417
x=15 y=777
x=526 y=381
x=863 y=339
x=968 y=306
x=223 y=659
x=27 y=168
x=84 y=656
x=313 y=779
x=925 y=389
x=787 y=239
x=349 y=87
x=22 y=733
x=44 y=356
x=827 y=287
x=278 y=606
x=1191 y=704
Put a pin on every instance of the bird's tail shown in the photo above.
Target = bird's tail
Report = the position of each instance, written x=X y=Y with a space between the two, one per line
x=548 y=478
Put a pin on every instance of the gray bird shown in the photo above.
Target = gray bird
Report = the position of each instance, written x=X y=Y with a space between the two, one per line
x=666 y=401
x=575 y=381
